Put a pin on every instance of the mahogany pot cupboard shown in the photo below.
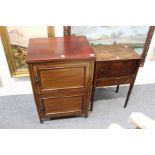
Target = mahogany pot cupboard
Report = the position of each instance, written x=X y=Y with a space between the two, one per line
x=61 y=72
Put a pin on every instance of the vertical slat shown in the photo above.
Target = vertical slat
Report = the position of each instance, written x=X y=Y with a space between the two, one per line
x=51 y=31
x=67 y=30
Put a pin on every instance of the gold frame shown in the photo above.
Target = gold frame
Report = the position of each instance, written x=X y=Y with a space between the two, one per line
x=7 y=49
x=67 y=32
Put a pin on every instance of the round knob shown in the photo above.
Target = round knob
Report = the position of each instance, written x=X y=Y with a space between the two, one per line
x=91 y=54
x=62 y=56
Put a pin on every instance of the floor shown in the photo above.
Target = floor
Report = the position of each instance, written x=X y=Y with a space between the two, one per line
x=19 y=111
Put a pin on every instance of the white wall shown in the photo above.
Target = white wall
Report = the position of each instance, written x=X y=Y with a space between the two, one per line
x=146 y=74
x=13 y=86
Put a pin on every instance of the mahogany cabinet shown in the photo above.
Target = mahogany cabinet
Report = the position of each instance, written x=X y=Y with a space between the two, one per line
x=61 y=71
x=115 y=65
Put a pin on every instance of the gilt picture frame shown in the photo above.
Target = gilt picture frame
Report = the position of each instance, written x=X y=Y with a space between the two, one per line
x=15 y=43
x=138 y=37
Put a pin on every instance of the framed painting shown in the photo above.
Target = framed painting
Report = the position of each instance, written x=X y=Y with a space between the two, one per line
x=15 y=43
x=137 y=37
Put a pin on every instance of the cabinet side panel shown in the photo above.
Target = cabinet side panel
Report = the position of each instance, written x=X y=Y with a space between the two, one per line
x=30 y=68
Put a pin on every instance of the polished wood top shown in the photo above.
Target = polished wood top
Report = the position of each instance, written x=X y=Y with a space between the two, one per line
x=114 y=52
x=59 y=48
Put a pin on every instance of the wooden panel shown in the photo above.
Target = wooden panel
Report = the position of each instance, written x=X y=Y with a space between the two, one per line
x=115 y=69
x=62 y=78
x=63 y=105
x=63 y=92
x=113 y=81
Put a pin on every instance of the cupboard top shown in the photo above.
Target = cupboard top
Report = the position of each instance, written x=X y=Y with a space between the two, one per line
x=114 y=52
x=59 y=48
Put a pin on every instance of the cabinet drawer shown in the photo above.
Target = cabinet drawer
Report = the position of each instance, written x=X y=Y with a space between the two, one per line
x=114 y=81
x=65 y=105
x=115 y=69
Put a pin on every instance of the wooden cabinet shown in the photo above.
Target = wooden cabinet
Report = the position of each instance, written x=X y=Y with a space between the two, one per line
x=115 y=65
x=61 y=71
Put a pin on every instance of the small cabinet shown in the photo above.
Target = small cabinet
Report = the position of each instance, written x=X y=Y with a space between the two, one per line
x=61 y=76
x=115 y=65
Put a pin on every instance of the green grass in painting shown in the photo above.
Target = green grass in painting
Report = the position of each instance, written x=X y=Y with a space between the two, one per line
x=19 y=55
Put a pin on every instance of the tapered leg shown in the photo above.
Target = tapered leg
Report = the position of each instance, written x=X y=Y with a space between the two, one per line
x=41 y=120
x=128 y=95
x=92 y=98
x=86 y=115
x=117 y=88
x=93 y=88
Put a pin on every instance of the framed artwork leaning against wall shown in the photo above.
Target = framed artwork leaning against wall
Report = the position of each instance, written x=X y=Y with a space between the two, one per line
x=137 y=37
x=15 y=41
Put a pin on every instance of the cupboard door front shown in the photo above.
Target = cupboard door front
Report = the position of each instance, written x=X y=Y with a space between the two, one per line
x=63 y=106
x=62 y=77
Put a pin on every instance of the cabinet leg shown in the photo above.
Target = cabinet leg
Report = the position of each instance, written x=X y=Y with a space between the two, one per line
x=92 y=99
x=86 y=115
x=117 y=88
x=41 y=120
x=128 y=95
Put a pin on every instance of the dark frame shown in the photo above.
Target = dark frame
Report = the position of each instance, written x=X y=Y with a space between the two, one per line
x=67 y=32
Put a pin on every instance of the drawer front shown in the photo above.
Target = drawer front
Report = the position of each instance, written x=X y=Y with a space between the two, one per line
x=64 y=105
x=63 y=76
x=113 y=81
x=115 y=69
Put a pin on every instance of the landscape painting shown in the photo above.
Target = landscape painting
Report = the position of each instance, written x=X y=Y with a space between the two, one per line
x=19 y=38
x=133 y=36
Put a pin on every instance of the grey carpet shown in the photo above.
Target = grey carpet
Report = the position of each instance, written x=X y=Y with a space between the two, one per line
x=19 y=111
